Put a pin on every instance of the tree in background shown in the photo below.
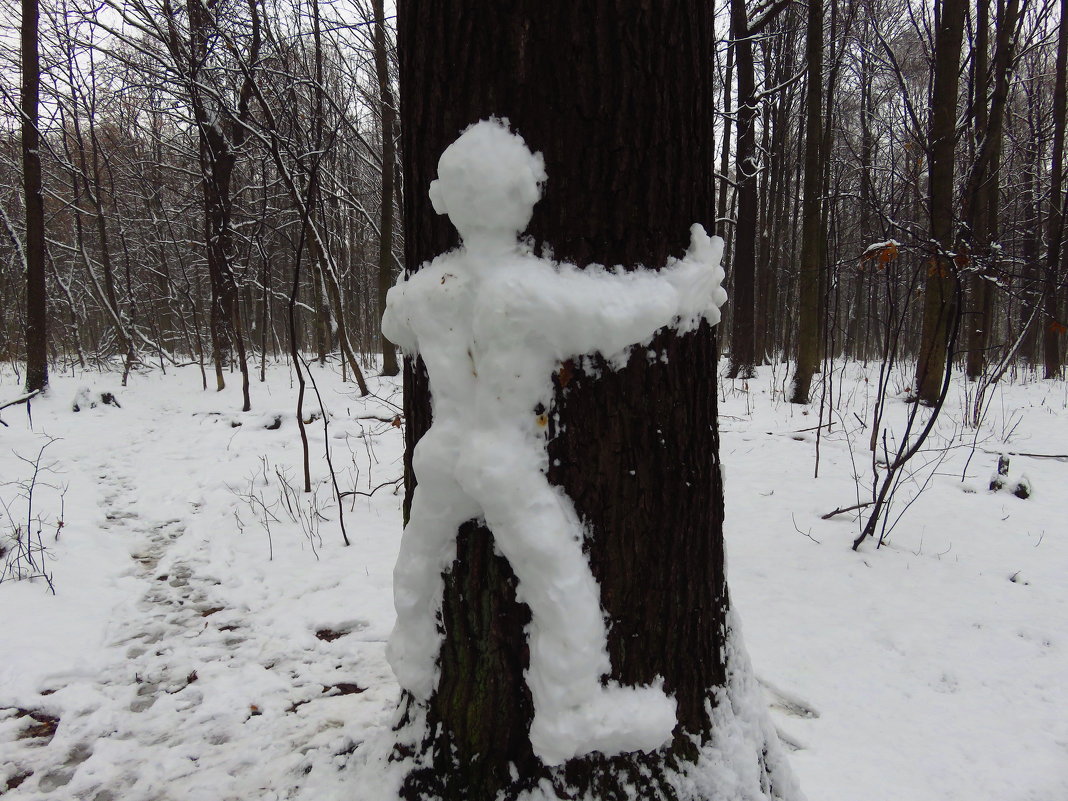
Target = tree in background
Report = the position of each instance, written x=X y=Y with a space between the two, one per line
x=132 y=275
x=743 y=264
x=1056 y=254
x=222 y=133
x=940 y=289
x=386 y=273
x=34 y=248
x=812 y=246
x=981 y=221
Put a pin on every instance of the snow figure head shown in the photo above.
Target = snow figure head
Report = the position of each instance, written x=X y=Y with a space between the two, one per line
x=488 y=182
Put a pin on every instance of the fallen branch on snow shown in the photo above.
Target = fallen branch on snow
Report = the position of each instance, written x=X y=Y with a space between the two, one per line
x=395 y=420
x=21 y=399
x=1061 y=457
x=844 y=509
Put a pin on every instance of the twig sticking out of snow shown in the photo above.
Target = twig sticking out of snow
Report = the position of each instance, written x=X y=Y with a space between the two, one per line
x=1021 y=488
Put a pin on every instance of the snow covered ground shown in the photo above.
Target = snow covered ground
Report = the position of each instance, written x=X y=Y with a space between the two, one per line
x=191 y=653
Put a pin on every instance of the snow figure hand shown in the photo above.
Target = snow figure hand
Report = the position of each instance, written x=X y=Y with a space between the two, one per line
x=698 y=279
x=492 y=322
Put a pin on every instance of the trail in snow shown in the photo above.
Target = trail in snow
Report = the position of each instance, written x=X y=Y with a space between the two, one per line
x=198 y=696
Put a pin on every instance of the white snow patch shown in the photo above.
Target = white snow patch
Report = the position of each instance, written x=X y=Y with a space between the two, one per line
x=936 y=674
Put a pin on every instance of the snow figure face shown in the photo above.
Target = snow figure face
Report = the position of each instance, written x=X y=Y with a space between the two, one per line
x=488 y=182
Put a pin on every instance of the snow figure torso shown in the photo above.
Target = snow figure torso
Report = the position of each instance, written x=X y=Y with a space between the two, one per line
x=492 y=322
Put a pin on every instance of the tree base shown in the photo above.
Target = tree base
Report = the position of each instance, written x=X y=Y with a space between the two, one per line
x=739 y=370
x=739 y=759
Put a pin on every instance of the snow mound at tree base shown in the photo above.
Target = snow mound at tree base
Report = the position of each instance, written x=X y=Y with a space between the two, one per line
x=742 y=760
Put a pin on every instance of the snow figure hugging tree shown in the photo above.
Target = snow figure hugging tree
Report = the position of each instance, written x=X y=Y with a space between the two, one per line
x=492 y=321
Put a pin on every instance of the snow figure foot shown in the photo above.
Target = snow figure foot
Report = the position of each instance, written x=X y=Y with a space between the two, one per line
x=615 y=720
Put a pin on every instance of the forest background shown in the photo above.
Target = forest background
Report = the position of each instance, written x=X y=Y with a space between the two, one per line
x=206 y=168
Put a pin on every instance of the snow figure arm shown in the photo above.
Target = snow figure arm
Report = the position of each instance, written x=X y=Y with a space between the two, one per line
x=698 y=278
x=396 y=325
x=596 y=310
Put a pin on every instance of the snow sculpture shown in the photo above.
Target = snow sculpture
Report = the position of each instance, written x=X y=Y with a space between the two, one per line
x=492 y=322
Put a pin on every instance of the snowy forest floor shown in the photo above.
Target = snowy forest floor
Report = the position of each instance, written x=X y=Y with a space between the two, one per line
x=192 y=652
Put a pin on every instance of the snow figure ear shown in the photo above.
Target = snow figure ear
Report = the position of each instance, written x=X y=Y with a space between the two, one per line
x=437 y=199
x=488 y=181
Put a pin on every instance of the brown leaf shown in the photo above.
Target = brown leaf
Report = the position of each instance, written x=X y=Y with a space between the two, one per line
x=565 y=373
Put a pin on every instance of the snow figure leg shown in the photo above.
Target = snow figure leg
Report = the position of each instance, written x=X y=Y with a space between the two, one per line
x=537 y=529
x=428 y=547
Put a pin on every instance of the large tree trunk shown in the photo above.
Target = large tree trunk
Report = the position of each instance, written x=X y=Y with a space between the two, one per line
x=36 y=306
x=940 y=303
x=627 y=142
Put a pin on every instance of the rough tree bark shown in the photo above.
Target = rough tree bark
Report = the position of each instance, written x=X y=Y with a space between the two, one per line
x=940 y=305
x=622 y=124
x=36 y=295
